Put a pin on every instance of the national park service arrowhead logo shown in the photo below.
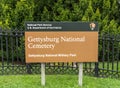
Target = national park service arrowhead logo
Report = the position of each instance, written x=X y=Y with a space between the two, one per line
x=92 y=26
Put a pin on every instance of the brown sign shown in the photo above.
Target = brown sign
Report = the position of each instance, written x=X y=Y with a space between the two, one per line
x=61 y=46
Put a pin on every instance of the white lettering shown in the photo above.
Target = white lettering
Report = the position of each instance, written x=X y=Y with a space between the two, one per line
x=72 y=39
x=32 y=45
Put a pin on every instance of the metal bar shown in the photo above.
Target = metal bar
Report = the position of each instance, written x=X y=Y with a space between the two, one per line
x=2 y=51
x=12 y=50
x=117 y=68
x=103 y=52
x=108 y=52
x=6 y=38
x=17 y=46
x=113 y=53
x=28 y=66
x=22 y=48
x=118 y=52
x=96 y=69
x=90 y=67
x=85 y=65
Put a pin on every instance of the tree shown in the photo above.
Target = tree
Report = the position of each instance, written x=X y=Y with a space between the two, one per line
x=6 y=13
x=106 y=8
x=14 y=13
x=89 y=12
x=23 y=12
x=60 y=13
x=45 y=16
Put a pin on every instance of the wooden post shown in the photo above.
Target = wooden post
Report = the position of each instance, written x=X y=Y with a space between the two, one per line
x=80 y=75
x=43 y=74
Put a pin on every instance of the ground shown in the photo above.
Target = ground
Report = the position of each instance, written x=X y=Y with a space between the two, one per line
x=56 y=81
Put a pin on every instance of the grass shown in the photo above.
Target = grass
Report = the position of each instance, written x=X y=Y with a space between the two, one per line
x=56 y=81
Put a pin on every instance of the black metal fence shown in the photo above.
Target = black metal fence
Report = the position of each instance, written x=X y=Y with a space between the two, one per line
x=12 y=58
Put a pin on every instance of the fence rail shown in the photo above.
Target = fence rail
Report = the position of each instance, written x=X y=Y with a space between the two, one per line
x=12 y=58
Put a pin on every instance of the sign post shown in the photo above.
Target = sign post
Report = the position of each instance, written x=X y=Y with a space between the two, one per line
x=80 y=74
x=43 y=74
x=47 y=42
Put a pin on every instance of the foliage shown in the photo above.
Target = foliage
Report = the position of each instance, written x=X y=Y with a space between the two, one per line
x=13 y=13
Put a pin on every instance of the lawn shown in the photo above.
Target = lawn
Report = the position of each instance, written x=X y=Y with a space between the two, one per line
x=56 y=81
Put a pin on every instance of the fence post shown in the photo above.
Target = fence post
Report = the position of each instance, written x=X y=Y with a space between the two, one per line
x=28 y=68
x=96 y=69
x=1 y=41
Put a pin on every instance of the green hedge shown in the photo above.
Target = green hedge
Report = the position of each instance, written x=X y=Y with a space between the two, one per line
x=13 y=13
